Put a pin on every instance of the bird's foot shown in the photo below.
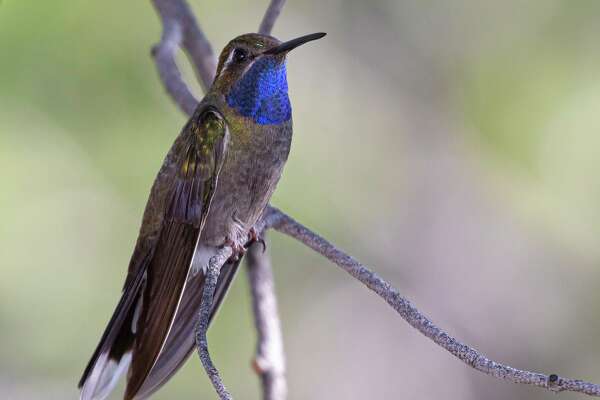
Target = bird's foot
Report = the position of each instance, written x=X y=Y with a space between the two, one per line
x=237 y=250
x=254 y=238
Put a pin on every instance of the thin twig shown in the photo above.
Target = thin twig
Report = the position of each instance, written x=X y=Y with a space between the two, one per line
x=186 y=34
x=285 y=224
x=200 y=51
x=164 y=58
x=273 y=11
x=269 y=362
x=210 y=284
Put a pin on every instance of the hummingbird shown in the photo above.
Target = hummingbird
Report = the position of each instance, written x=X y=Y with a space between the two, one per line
x=212 y=188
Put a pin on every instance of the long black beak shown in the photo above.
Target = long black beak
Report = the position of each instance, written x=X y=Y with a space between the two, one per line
x=292 y=44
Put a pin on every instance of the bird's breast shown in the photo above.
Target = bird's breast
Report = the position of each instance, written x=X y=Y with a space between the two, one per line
x=253 y=165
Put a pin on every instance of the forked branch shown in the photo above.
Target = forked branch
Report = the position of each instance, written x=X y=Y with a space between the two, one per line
x=180 y=30
x=164 y=57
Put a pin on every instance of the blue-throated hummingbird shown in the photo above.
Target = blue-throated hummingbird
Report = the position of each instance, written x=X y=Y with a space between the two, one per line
x=213 y=186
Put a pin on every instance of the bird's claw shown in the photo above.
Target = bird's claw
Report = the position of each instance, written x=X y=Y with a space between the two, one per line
x=237 y=250
x=254 y=238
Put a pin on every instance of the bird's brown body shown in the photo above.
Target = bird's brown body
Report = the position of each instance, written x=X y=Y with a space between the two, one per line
x=253 y=165
x=214 y=184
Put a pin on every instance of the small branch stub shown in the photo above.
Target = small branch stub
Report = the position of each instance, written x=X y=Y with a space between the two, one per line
x=553 y=382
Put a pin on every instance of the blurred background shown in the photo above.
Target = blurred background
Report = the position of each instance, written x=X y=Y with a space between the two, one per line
x=451 y=146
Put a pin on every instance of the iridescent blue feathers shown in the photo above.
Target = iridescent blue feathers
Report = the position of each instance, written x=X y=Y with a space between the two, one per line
x=262 y=93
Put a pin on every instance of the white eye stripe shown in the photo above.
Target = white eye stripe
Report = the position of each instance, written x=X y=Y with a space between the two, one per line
x=229 y=58
x=230 y=61
x=232 y=54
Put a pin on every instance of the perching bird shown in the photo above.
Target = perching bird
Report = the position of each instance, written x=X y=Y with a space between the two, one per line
x=213 y=186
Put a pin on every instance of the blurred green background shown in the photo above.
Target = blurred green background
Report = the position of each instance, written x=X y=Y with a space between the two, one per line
x=452 y=146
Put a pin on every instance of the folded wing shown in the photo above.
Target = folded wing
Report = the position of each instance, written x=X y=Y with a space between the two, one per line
x=141 y=328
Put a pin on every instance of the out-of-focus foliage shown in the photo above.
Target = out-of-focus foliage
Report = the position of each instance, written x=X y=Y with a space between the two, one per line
x=451 y=145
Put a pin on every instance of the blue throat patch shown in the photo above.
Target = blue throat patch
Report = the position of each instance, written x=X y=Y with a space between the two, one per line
x=262 y=93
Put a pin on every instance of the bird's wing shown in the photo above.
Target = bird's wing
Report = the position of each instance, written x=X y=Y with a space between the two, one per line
x=181 y=340
x=185 y=213
x=159 y=269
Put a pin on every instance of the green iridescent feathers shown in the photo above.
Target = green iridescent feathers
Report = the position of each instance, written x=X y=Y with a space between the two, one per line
x=198 y=168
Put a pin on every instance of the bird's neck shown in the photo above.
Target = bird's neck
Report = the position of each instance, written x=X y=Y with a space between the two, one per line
x=262 y=93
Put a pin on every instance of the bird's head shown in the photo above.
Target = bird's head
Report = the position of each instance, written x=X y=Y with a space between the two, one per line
x=252 y=76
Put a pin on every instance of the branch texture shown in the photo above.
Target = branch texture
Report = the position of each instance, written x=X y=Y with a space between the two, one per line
x=210 y=284
x=181 y=30
x=271 y=15
x=269 y=362
x=164 y=58
x=285 y=224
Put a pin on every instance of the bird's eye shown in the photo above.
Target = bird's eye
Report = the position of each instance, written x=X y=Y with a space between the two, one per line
x=240 y=55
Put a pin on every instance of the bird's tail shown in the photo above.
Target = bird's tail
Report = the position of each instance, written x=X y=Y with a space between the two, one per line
x=124 y=343
x=113 y=354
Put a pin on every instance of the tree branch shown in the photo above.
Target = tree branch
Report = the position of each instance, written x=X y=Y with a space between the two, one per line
x=164 y=58
x=285 y=224
x=273 y=11
x=210 y=284
x=181 y=30
x=269 y=362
